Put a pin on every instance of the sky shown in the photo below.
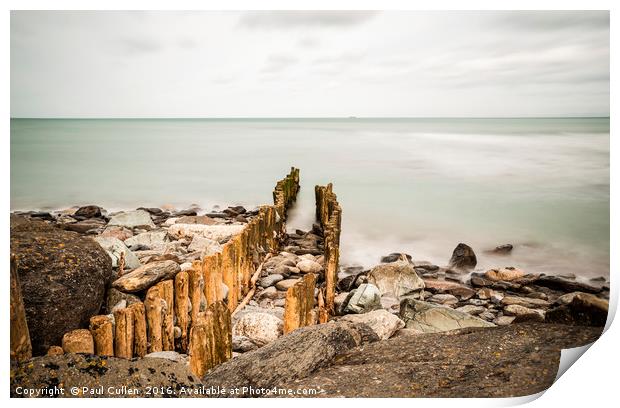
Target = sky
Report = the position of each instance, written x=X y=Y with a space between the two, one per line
x=309 y=64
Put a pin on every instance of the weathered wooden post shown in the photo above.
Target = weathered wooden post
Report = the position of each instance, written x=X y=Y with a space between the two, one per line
x=299 y=304
x=101 y=328
x=181 y=304
x=210 y=339
x=166 y=292
x=78 y=341
x=196 y=285
x=123 y=336
x=212 y=274
x=154 y=306
x=139 y=329
x=21 y=348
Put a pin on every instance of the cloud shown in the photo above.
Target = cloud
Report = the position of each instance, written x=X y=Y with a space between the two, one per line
x=292 y=19
x=278 y=62
x=552 y=20
x=137 y=46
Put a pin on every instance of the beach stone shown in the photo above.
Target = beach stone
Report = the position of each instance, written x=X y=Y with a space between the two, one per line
x=524 y=301
x=55 y=351
x=88 y=211
x=504 y=320
x=453 y=288
x=62 y=277
x=566 y=285
x=524 y=314
x=146 y=276
x=269 y=293
x=364 y=299
x=309 y=266
x=394 y=257
x=150 y=240
x=204 y=245
x=169 y=355
x=78 y=341
x=286 y=284
x=114 y=247
x=463 y=257
x=243 y=344
x=270 y=280
x=91 y=225
x=488 y=316
x=285 y=360
x=115 y=296
x=382 y=322
x=219 y=233
x=471 y=309
x=444 y=299
x=504 y=249
x=579 y=309
x=120 y=233
x=429 y=318
x=504 y=274
x=340 y=299
x=395 y=279
x=195 y=219
x=260 y=328
x=133 y=219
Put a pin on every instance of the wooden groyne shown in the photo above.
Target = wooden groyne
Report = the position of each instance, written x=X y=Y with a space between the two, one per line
x=197 y=303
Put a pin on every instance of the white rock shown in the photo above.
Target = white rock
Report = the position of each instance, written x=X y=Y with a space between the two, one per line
x=382 y=322
x=204 y=245
x=261 y=328
x=214 y=232
x=152 y=240
x=186 y=266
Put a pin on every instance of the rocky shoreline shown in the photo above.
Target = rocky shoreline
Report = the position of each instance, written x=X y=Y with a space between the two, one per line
x=79 y=262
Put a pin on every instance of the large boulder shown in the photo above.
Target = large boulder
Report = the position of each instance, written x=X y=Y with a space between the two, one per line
x=115 y=247
x=146 y=276
x=429 y=318
x=261 y=328
x=132 y=219
x=220 y=233
x=463 y=257
x=364 y=299
x=396 y=279
x=150 y=240
x=579 y=308
x=290 y=357
x=63 y=278
x=382 y=322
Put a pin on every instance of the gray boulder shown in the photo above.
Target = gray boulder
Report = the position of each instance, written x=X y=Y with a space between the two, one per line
x=395 y=279
x=364 y=299
x=429 y=318
x=115 y=247
x=382 y=322
x=463 y=257
x=133 y=219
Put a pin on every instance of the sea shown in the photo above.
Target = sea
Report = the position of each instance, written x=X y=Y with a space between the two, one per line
x=412 y=185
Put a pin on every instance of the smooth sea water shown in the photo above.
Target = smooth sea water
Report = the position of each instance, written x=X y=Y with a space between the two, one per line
x=419 y=186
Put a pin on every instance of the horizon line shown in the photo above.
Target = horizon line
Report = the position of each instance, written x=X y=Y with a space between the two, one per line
x=304 y=117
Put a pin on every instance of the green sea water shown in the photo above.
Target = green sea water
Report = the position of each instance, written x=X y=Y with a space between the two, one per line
x=415 y=185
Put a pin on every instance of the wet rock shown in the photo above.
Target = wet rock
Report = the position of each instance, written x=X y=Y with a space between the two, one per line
x=463 y=257
x=504 y=249
x=382 y=322
x=504 y=274
x=260 y=328
x=146 y=276
x=452 y=288
x=133 y=219
x=394 y=257
x=395 y=279
x=524 y=314
x=115 y=248
x=429 y=318
x=284 y=359
x=579 y=309
x=566 y=285
x=346 y=284
x=364 y=299
x=308 y=266
x=88 y=211
x=62 y=277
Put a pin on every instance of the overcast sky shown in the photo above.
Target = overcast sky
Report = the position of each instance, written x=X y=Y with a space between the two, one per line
x=317 y=64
